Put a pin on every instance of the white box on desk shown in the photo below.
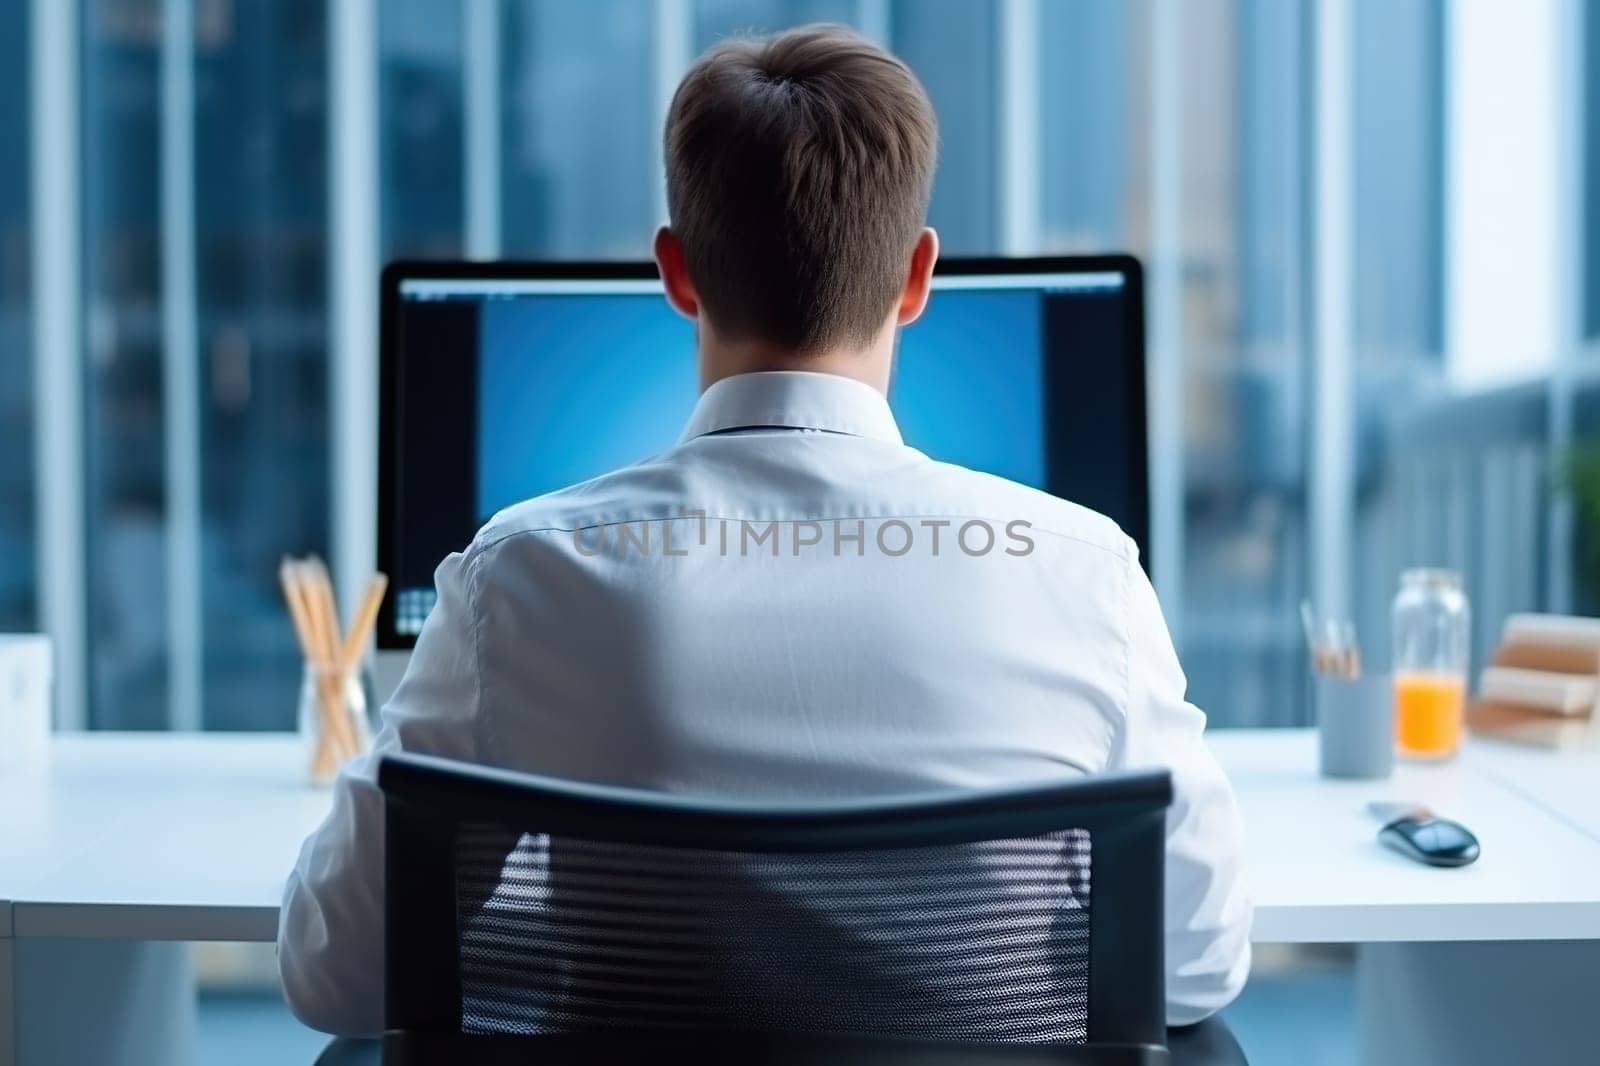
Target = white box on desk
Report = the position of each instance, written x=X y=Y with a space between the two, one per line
x=25 y=677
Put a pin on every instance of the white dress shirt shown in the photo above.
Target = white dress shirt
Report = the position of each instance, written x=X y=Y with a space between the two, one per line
x=788 y=603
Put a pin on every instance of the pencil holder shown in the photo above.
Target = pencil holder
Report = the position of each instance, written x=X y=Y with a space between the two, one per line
x=1355 y=725
x=334 y=717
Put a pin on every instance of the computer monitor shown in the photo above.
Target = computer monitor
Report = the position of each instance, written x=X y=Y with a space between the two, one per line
x=502 y=381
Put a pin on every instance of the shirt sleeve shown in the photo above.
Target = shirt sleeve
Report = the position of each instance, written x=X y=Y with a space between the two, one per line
x=330 y=930
x=1207 y=910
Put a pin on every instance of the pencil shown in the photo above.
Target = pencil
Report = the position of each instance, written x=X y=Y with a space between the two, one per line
x=318 y=590
x=290 y=578
x=355 y=639
x=322 y=585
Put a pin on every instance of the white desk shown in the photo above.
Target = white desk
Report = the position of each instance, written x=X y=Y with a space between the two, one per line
x=1496 y=962
x=155 y=836
x=124 y=845
x=147 y=838
x=1318 y=875
x=1568 y=786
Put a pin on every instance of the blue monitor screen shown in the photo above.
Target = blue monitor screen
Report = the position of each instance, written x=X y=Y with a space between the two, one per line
x=571 y=386
x=499 y=387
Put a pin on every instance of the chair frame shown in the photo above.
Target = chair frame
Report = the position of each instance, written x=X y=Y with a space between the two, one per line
x=427 y=798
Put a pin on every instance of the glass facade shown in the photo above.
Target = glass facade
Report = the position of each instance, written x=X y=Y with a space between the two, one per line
x=1398 y=303
x=569 y=190
x=260 y=203
x=18 y=605
x=255 y=383
x=1242 y=273
x=124 y=409
x=421 y=107
x=530 y=128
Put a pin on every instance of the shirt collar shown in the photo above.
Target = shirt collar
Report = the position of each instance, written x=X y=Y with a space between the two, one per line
x=793 y=399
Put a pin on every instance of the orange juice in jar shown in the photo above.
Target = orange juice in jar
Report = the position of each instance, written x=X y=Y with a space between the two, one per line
x=1431 y=632
x=1427 y=714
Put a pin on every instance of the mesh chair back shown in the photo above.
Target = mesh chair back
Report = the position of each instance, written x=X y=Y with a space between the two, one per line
x=524 y=906
x=983 y=941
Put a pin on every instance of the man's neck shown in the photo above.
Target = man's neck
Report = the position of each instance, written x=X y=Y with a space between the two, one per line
x=869 y=365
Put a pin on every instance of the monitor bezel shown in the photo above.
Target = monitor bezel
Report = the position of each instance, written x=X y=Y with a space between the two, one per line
x=396 y=273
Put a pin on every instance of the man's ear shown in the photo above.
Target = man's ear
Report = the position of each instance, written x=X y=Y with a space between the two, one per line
x=675 y=274
x=919 y=279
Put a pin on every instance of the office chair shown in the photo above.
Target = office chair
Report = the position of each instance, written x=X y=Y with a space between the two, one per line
x=534 y=920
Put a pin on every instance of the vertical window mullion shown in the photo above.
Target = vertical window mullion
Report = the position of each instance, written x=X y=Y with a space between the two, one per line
x=674 y=52
x=1165 y=303
x=1331 y=485
x=875 y=20
x=58 y=352
x=353 y=289
x=481 y=143
x=1568 y=270
x=1020 y=127
x=180 y=367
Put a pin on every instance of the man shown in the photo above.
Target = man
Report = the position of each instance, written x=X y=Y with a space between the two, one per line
x=790 y=602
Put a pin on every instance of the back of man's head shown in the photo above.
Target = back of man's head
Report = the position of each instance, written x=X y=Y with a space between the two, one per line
x=798 y=173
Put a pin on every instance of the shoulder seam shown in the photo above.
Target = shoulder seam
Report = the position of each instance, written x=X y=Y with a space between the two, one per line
x=480 y=714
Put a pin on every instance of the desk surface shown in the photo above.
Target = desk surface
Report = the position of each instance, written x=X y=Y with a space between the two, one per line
x=1317 y=873
x=188 y=837
x=1568 y=785
x=155 y=836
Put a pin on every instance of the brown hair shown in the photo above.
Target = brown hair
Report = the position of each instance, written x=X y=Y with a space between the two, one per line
x=798 y=173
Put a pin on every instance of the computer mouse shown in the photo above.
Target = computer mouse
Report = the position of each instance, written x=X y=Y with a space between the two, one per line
x=1431 y=840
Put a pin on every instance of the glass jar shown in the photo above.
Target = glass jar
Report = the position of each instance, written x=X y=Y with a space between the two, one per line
x=1431 y=636
x=334 y=717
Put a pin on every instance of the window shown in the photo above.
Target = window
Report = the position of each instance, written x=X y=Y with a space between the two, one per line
x=17 y=581
x=1241 y=274
x=260 y=374
x=206 y=380
x=1193 y=133
x=421 y=111
x=1398 y=301
x=124 y=410
x=1459 y=266
x=579 y=122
